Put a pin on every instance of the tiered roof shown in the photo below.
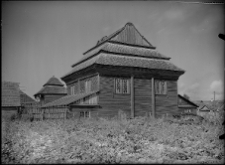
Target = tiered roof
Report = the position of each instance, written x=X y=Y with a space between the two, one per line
x=52 y=86
x=126 y=47
x=10 y=94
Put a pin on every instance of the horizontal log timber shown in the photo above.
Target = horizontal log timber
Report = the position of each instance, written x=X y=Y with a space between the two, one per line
x=137 y=72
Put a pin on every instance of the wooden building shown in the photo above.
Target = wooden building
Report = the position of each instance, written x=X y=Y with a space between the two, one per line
x=186 y=106
x=25 y=99
x=122 y=72
x=10 y=98
x=52 y=90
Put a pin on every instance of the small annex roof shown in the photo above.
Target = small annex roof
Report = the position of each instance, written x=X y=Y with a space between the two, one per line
x=126 y=61
x=204 y=108
x=66 y=100
x=52 y=86
x=10 y=94
x=54 y=82
x=185 y=102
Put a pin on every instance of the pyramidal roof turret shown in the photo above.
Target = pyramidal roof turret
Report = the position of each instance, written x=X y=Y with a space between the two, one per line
x=53 y=81
x=127 y=35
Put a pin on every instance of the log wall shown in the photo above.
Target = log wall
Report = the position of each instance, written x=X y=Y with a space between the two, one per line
x=167 y=103
x=109 y=101
x=142 y=96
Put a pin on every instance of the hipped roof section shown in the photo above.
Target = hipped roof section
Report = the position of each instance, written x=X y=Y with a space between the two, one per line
x=52 y=86
x=69 y=99
x=125 y=44
x=126 y=61
x=54 y=82
x=128 y=35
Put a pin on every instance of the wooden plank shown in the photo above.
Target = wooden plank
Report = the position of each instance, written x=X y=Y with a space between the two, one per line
x=153 y=97
x=132 y=96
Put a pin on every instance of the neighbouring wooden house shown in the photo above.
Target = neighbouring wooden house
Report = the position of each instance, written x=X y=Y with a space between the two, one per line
x=123 y=72
x=27 y=102
x=25 y=99
x=186 y=106
x=10 y=98
x=52 y=90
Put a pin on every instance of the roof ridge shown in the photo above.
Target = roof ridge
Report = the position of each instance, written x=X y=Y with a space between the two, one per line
x=53 y=81
x=108 y=38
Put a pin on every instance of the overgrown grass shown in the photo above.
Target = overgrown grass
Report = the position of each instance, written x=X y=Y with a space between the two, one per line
x=140 y=140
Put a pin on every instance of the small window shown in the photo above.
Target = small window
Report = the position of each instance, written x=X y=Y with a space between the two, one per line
x=122 y=86
x=161 y=87
x=87 y=114
x=72 y=90
x=81 y=114
x=84 y=114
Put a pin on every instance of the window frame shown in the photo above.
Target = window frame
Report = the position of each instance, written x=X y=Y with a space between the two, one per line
x=122 y=84
x=159 y=87
x=85 y=114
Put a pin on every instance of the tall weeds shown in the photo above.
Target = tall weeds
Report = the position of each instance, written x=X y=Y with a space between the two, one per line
x=139 y=140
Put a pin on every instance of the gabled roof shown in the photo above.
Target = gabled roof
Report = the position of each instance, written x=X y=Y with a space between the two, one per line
x=53 y=81
x=185 y=102
x=10 y=94
x=204 y=108
x=126 y=47
x=69 y=99
x=25 y=98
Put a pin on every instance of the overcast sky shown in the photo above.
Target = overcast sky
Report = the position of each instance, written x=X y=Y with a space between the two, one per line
x=42 y=39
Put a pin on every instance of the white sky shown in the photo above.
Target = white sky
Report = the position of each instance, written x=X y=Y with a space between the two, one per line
x=42 y=39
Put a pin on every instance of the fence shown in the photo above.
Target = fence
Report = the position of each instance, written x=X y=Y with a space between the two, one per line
x=34 y=111
x=59 y=112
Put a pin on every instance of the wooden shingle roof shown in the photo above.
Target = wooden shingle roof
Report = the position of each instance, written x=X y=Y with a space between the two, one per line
x=53 y=81
x=26 y=99
x=126 y=47
x=52 y=90
x=10 y=94
x=127 y=35
x=126 y=61
x=52 y=86
x=66 y=100
x=185 y=103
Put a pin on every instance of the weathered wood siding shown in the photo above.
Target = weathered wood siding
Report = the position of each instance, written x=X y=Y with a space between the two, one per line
x=109 y=101
x=55 y=113
x=74 y=112
x=142 y=90
x=167 y=103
